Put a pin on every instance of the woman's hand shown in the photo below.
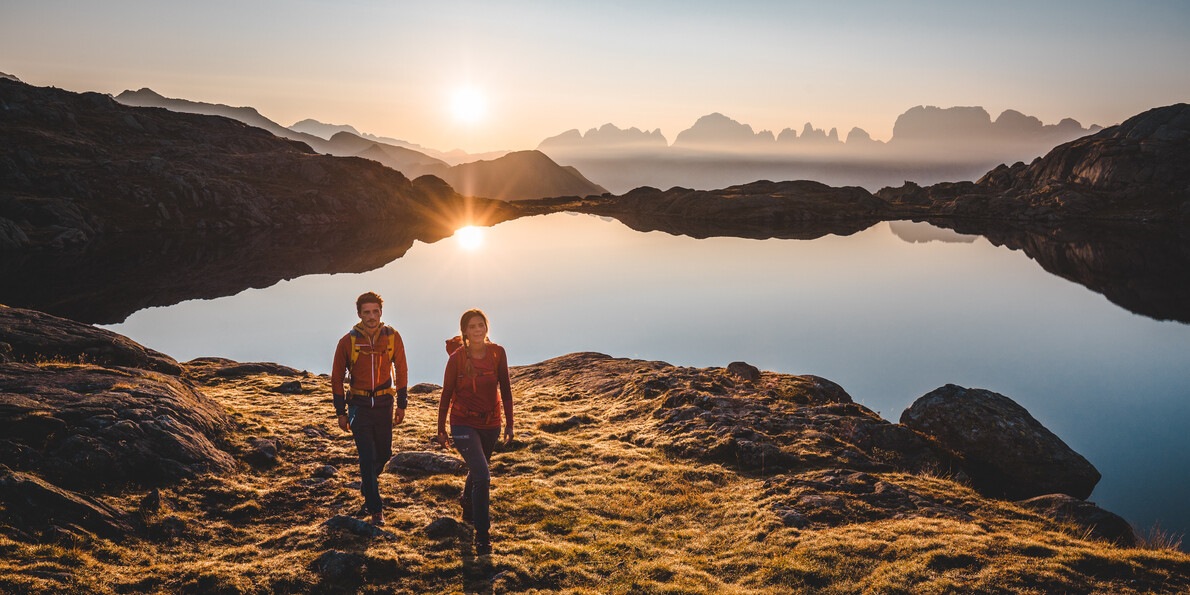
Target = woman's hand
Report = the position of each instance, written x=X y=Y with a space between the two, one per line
x=442 y=439
x=507 y=435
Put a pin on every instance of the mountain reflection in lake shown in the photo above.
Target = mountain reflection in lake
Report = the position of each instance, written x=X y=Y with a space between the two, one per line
x=888 y=319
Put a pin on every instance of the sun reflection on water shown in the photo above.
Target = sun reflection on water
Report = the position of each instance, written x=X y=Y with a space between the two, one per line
x=469 y=238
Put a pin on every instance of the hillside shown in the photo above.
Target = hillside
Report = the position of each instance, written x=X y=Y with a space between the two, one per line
x=1138 y=170
x=625 y=476
x=78 y=167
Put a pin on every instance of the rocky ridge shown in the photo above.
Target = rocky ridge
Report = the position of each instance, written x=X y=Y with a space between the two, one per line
x=1136 y=171
x=786 y=463
x=75 y=167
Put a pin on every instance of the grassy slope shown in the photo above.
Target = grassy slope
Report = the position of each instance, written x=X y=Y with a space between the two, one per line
x=579 y=510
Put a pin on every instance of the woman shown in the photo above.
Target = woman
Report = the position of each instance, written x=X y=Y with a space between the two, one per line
x=473 y=373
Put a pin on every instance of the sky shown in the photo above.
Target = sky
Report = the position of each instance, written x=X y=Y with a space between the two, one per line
x=532 y=70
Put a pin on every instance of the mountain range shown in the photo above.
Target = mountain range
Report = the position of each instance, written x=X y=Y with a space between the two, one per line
x=506 y=177
x=929 y=145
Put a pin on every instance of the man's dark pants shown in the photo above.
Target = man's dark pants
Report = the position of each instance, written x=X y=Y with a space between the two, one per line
x=372 y=429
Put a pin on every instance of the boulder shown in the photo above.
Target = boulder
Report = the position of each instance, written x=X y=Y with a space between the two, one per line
x=1008 y=453
x=34 y=336
x=443 y=527
x=362 y=528
x=33 y=504
x=338 y=567
x=1099 y=522
x=744 y=370
x=119 y=419
x=425 y=463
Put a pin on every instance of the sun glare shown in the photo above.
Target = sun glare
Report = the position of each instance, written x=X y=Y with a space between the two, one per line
x=470 y=237
x=468 y=105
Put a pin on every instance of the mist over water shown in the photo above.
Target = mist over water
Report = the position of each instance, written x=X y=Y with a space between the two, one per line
x=889 y=313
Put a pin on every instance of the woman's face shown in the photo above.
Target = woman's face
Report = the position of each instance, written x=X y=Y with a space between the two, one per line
x=477 y=330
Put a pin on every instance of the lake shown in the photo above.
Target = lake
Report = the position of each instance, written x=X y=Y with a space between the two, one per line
x=889 y=313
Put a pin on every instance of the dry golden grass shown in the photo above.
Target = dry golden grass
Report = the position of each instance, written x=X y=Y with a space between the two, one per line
x=580 y=510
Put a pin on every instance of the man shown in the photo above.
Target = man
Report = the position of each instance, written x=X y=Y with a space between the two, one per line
x=370 y=354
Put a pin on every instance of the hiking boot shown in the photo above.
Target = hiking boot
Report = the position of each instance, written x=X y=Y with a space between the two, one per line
x=378 y=519
x=483 y=543
x=468 y=510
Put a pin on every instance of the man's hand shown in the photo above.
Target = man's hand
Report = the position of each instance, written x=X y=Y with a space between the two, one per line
x=343 y=423
x=398 y=416
x=443 y=441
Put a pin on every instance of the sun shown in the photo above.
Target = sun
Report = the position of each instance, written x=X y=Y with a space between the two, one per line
x=470 y=237
x=468 y=105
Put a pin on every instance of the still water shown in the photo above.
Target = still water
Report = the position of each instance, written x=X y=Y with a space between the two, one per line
x=889 y=313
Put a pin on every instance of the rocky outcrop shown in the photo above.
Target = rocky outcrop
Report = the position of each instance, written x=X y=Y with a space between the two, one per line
x=763 y=209
x=74 y=167
x=39 y=507
x=775 y=423
x=1099 y=522
x=87 y=409
x=1137 y=171
x=1007 y=452
x=30 y=336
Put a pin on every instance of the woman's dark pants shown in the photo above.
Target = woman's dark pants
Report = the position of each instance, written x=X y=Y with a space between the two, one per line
x=475 y=445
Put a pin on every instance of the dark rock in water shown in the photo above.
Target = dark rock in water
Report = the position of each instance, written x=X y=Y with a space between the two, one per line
x=443 y=527
x=362 y=528
x=31 y=503
x=88 y=426
x=338 y=567
x=1099 y=522
x=293 y=387
x=1008 y=453
x=33 y=336
x=744 y=370
x=425 y=463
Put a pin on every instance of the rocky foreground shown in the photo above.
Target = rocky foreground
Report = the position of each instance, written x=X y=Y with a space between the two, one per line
x=125 y=471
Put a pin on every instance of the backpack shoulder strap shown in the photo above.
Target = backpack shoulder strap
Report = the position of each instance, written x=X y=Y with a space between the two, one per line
x=354 y=354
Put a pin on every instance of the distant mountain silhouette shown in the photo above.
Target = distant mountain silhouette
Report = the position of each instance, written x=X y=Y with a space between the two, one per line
x=324 y=131
x=929 y=145
x=500 y=178
x=942 y=131
x=148 y=98
x=9 y=77
x=519 y=175
x=717 y=131
x=608 y=136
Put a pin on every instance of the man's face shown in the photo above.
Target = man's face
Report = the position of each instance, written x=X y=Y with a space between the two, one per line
x=369 y=314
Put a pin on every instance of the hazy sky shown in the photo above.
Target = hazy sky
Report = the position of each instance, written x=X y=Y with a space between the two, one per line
x=540 y=68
